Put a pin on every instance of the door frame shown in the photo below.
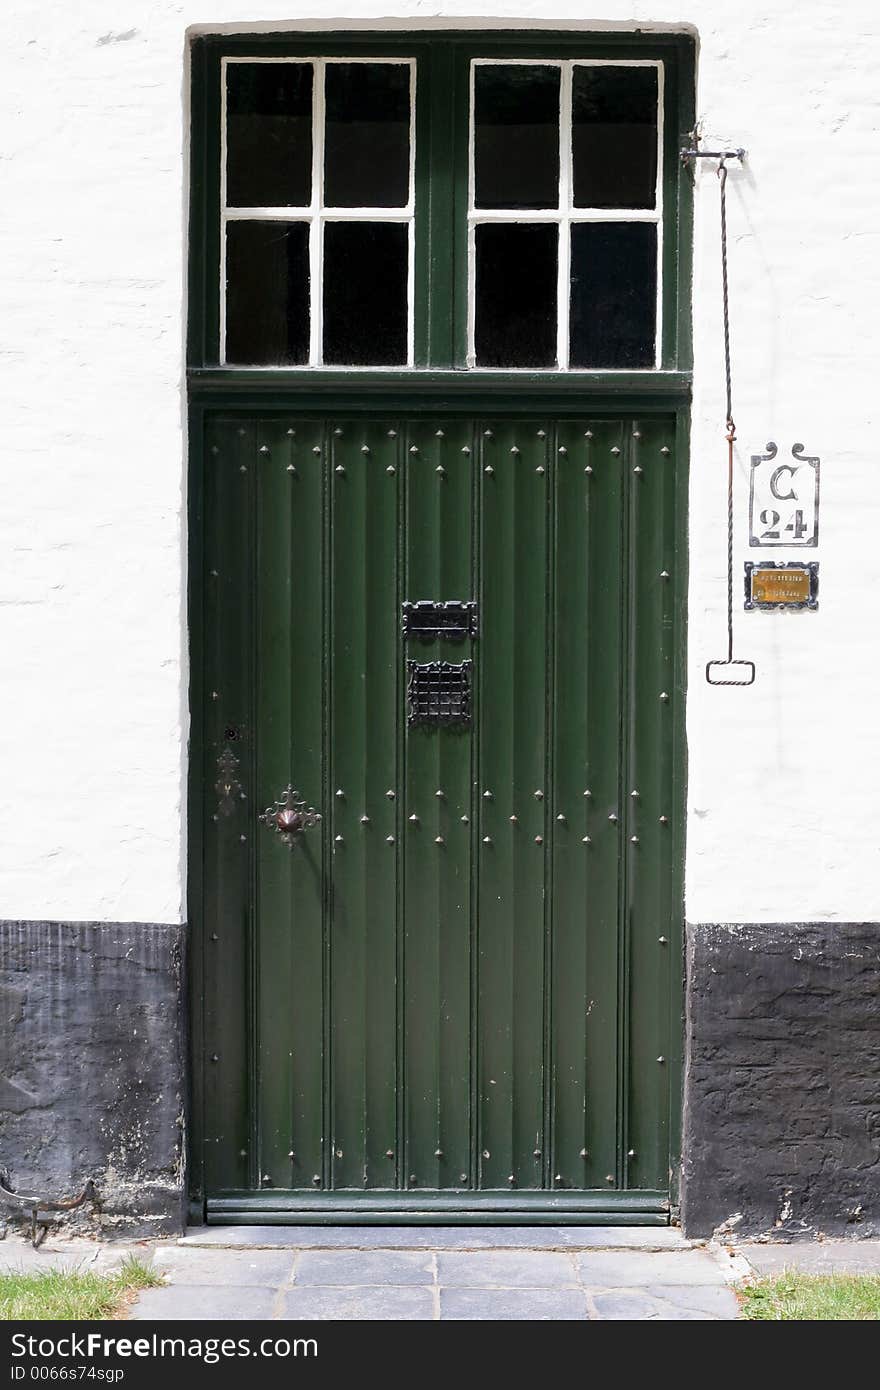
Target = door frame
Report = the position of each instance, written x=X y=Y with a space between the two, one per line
x=565 y=394
x=212 y=391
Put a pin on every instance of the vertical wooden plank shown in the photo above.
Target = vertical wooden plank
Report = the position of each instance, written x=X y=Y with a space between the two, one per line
x=677 y=814
x=437 y=830
x=587 y=655
x=514 y=458
x=289 y=719
x=195 y=818
x=228 y=723
x=651 y=464
x=364 y=713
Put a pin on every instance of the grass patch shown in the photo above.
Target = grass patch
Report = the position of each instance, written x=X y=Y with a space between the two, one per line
x=793 y=1297
x=73 y=1295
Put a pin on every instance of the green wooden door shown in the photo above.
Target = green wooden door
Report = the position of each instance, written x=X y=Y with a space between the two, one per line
x=450 y=998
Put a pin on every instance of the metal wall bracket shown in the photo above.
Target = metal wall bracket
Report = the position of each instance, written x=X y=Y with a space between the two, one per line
x=692 y=149
x=694 y=153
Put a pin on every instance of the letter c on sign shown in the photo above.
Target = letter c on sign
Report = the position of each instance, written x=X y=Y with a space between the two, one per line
x=774 y=483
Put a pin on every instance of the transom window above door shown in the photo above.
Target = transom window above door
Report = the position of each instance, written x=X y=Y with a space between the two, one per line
x=441 y=202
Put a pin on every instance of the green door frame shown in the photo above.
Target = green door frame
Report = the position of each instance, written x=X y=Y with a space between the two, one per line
x=438 y=386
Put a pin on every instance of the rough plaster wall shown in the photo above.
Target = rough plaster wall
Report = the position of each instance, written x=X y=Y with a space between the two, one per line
x=92 y=1068
x=782 y=1126
x=92 y=158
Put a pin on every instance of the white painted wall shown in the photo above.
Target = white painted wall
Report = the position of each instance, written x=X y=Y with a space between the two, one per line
x=783 y=777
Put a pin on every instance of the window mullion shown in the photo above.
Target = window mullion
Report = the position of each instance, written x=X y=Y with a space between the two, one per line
x=471 y=204
x=316 y=227
x=222 y=286
x=565 y=202
x=658 y=210
x=471 y=294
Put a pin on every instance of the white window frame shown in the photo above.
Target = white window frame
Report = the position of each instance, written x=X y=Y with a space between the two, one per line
x=565 y=214
x=316 y=214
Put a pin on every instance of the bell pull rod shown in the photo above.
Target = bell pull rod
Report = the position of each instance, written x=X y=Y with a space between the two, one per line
x=726 y=670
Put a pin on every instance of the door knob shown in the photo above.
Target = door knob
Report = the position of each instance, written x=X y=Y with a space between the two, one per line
x=290 y=816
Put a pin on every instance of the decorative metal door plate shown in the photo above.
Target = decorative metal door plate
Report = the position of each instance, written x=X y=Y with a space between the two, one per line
x=451 y=621
x=228 y=787
x=784 y=499
x=439 y=692
x=781 y=586
x=289 y=816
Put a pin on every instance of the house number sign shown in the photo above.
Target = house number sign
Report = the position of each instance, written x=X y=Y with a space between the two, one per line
x=784 y=498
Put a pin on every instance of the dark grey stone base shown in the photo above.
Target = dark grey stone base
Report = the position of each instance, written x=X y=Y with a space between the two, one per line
x=782 y=1080
x=92 y=1069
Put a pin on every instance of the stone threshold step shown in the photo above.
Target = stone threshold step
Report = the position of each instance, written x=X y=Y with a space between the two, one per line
x=646 y=1238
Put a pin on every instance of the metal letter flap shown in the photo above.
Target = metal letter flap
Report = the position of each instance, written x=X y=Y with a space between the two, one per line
x=452 y=621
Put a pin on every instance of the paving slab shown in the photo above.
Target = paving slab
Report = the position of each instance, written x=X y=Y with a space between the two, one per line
x=506 y=1269
x=111 y=1256
x=613 y=1269
x=670 y=1303
x=378 y=1267
x=814 y=1257
x=17 y=1254
x=716 y=1302
x=205 y=1302
x=387 y=1304
x=504 y=1274
x=439 y=1237
x=21 y=1258
x=238 y=1267
x=509 y=1305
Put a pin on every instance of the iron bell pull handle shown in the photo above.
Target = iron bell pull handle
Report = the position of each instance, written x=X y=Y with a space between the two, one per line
x=289 y=816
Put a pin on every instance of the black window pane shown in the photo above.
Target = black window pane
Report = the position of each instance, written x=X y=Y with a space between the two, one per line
x=366 y=145
x=267 y=293
x=516 y=295
x=613 y=294
x=614 y=137
x=516 y=136
x=365 y=293
x=268 y=135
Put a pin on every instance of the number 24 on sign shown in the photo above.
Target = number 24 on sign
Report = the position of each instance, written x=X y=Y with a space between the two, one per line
x=784 y=499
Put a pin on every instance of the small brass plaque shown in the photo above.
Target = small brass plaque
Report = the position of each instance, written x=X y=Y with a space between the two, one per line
x=782 y=586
